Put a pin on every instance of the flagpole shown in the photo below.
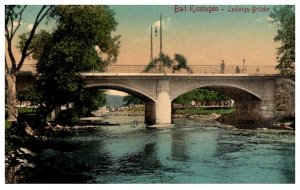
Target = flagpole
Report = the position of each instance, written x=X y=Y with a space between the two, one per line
x=160 y=24
x=151 y=46
x=160 y=54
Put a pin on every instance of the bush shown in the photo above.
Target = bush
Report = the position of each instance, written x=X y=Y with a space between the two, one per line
x=14 y=135
x=68 y=117
x=29 y=116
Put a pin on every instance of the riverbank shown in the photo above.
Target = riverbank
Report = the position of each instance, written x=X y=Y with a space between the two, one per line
x=227 y=116
x=26 y=148
x=202 y=113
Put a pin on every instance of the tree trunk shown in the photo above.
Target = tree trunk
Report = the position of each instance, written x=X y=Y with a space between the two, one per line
x=11 y=97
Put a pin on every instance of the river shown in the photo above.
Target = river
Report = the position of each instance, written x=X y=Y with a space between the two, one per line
x=197 y=152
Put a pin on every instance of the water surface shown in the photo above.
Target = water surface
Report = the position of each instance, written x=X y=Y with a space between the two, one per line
x=189 y=152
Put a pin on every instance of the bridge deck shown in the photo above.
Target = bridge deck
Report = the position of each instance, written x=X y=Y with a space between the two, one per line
x=172 y=74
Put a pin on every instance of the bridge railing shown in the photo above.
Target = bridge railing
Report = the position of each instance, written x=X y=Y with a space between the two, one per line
x=195 y=69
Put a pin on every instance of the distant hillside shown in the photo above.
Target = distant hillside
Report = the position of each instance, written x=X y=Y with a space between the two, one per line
x=114 y=100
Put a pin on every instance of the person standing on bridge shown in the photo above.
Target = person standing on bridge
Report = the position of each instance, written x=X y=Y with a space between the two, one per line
x=222 y=65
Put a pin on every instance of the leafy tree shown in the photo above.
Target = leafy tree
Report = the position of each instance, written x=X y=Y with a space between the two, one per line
x=284 y=17
x=181 y=63
x=158 y=63
x=81 y=42
x=29 y=94
x=200 y=95
x=13 y=21
x=90 y=100
x=132 y=100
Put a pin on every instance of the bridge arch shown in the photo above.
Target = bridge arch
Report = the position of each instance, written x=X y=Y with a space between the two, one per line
x=124 y=88
x=235 y=92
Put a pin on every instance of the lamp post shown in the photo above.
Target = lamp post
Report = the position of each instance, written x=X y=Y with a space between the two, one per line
x=243 y=65
x=160 y=46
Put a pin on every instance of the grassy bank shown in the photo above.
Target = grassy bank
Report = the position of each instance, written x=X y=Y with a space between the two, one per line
x=204 y=111
x=7 y=124
x=27 y=110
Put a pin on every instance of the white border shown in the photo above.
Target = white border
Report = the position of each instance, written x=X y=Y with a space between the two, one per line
x=147 y=2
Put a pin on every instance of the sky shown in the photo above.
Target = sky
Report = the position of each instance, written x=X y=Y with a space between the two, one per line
x=203 y=38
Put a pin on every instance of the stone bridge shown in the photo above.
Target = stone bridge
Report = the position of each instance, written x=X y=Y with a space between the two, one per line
x=257 y=97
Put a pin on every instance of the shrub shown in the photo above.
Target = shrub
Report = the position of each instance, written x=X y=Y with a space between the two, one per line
x=68 y=117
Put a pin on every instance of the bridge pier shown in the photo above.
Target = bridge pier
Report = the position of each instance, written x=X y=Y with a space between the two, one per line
x=255 y=111
x=159 y=112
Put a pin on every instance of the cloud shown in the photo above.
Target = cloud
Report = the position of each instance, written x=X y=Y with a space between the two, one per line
x=15 y=24
x=269 y=19
x=165 y=23
x=30 y=26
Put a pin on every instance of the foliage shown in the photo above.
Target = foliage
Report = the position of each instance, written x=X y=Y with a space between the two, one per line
x=284 y=17
x=151 y=65
x=200 y=95
x=204 y=111
x=132 y=100
x=69 y=117
x=181 y=63
x=15 y=136
x=81 y=42
x=158 y=63
x=27 y=110
x=290 y=120
x=7 y=125
x=35 y=46
x=90 y=100
x=29 y=94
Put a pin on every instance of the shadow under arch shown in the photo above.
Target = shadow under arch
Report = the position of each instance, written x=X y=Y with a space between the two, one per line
x=132 y=91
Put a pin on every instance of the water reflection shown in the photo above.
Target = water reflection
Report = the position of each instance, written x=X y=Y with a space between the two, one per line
x=143 y=161
x=226 y=145
x=179 y=147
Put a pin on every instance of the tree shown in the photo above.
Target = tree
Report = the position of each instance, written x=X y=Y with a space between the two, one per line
x=90 y=100
x=158 y=63
x=132 y=100
x=29 y=94
x=181 y=63
x=284 y=17
x=81 y=42
x=200 y=95
x=13 y=20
